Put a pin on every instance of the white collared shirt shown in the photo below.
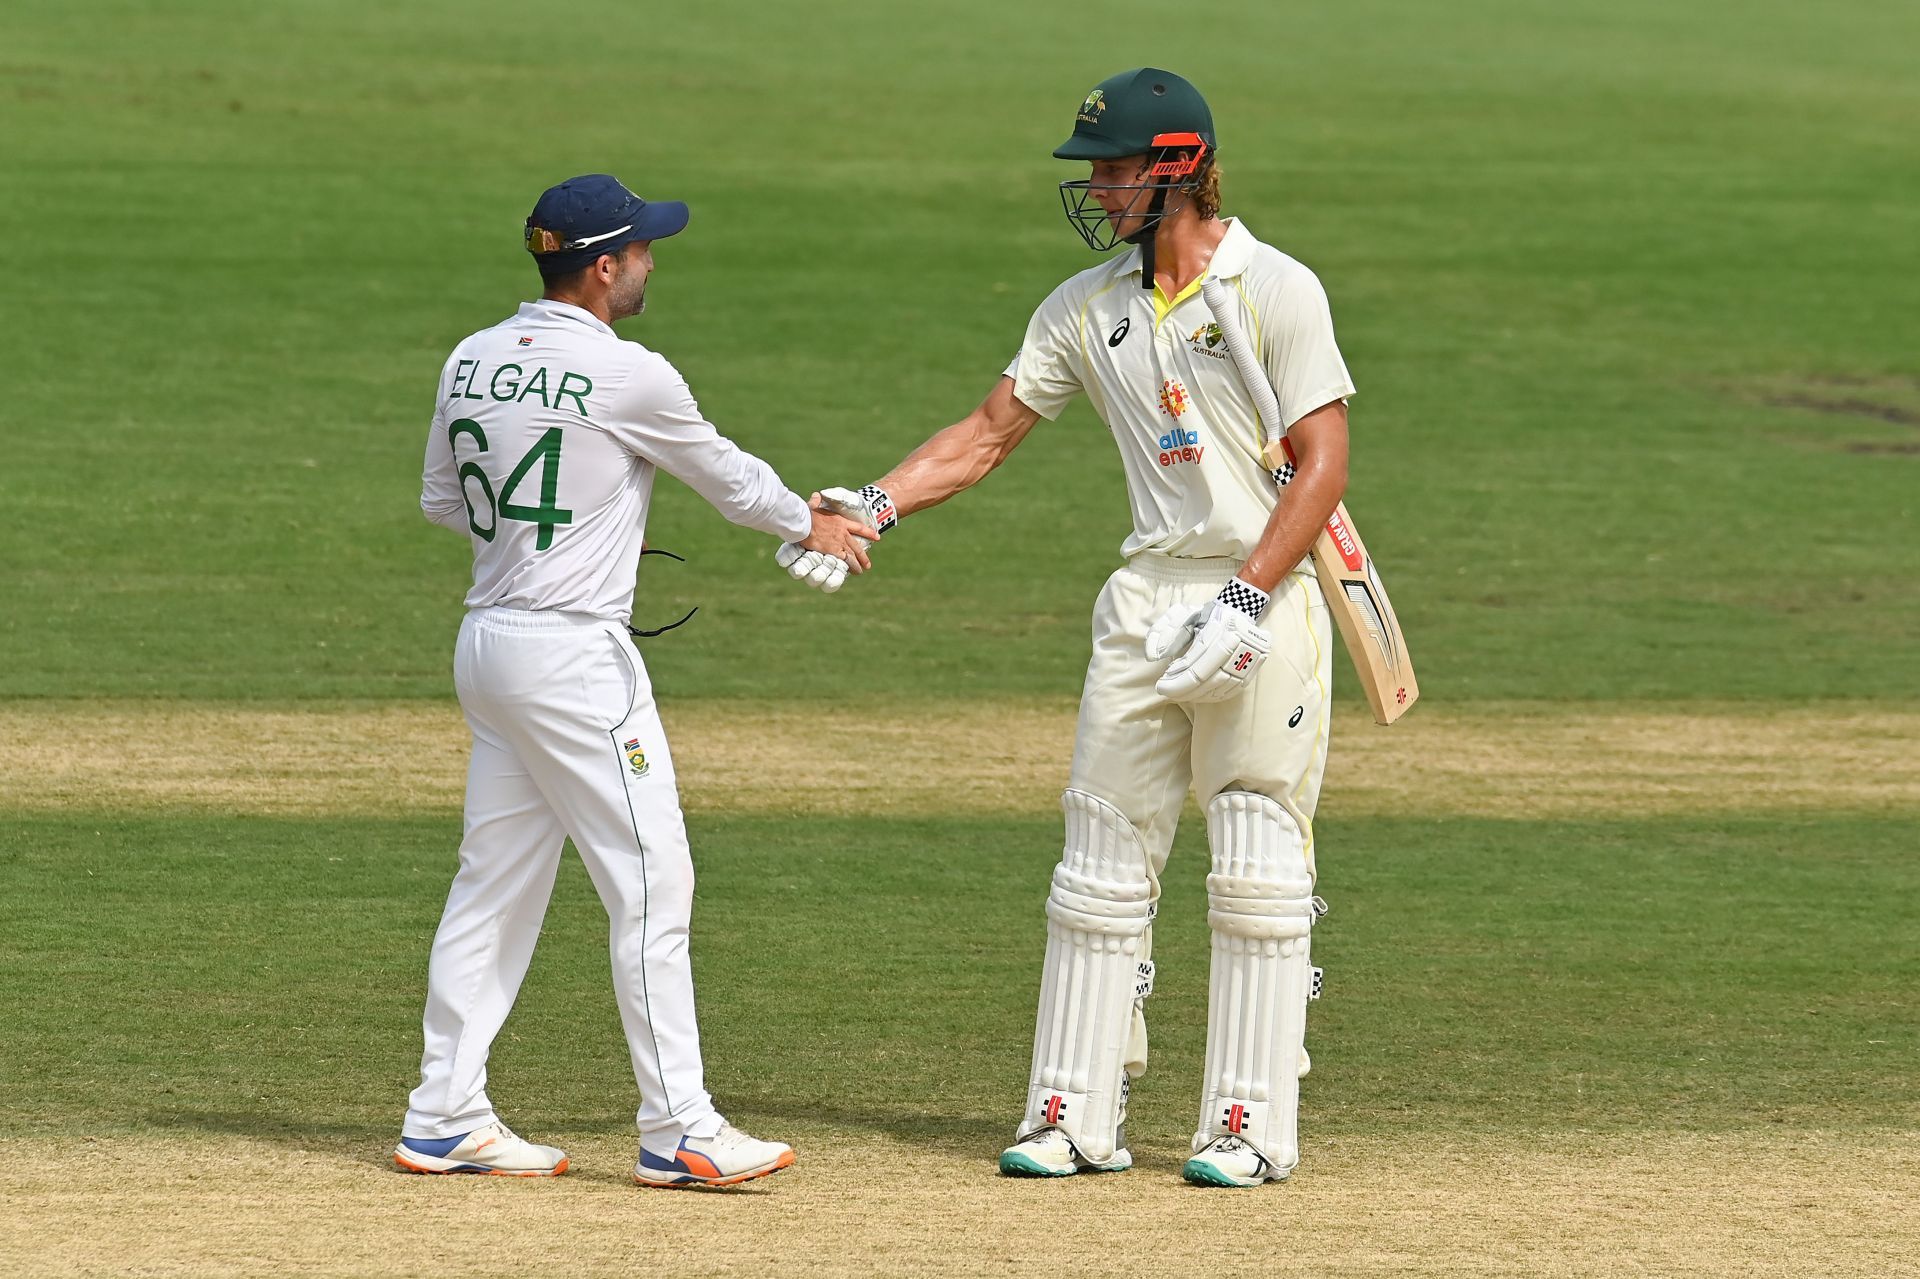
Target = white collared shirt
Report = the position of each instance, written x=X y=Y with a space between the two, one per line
x=544 y=442
x=1188 y=433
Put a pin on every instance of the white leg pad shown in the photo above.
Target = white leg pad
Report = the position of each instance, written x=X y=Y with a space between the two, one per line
x=1261 y=908
x=1097 y=913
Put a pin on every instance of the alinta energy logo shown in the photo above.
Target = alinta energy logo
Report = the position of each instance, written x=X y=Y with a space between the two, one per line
x=1178 y=446
x=1207 y=340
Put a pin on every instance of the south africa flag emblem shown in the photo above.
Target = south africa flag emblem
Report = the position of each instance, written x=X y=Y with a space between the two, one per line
x=636 y=758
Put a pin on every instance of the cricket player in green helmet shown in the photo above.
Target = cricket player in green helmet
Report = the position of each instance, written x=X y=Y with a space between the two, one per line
x=1211 y=664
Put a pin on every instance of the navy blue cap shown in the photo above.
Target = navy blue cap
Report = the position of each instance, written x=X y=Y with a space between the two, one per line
x=584 y=217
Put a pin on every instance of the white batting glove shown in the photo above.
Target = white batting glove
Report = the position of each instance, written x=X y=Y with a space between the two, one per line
x=1223 y=645
x=870 y=506
x=824 y=572
x=1172 y=631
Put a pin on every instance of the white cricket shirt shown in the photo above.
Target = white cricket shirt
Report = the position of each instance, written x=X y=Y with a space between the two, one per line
x=1161 y=379
x=542 y=450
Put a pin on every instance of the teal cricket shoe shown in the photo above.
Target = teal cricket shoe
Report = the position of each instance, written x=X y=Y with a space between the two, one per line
x=1048 y=1153
x=1228 y=1161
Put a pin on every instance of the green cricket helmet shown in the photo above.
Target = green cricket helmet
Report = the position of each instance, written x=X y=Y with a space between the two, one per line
x=1128 y=114
x=1146 y=112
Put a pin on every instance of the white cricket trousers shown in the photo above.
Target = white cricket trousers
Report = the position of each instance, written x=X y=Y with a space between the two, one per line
x=1140 y=753
x=566 y=742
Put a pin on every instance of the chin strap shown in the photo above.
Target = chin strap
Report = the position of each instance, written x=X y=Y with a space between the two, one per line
x=1168 y=163
x=1144 y=237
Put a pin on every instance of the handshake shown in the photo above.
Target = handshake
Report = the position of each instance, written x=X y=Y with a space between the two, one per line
x=845 y=523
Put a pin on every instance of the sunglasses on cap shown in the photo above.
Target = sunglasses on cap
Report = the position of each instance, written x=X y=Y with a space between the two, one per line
x=540 y=240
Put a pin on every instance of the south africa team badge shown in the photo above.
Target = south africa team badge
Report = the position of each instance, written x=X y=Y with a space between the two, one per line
x=636 y=758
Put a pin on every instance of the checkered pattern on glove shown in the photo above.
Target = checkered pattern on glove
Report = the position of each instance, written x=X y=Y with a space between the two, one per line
x=1223 y=652
x=880 y=505
x=1249 y=599
x=870 y=506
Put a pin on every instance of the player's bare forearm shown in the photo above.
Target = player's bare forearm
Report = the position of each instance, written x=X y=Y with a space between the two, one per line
x=961 y=455
x=1320 y=446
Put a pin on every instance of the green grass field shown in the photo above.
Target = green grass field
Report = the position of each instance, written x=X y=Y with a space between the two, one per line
x=264 y=974
x=1627 y=291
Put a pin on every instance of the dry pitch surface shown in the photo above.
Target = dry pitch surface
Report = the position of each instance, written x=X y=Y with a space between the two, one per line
x=1654 y=1204
x=1518 y=759
x=1563 y=1204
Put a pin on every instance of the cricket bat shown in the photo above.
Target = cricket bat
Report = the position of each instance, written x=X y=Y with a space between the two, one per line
x=1354 y=591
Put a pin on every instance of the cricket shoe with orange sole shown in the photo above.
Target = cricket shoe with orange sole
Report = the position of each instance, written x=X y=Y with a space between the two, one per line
x=493 y=1150
x=727 y=1158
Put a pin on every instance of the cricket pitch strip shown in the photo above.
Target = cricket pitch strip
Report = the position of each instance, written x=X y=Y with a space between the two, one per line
x=1514 y=760
x=1667 y=1204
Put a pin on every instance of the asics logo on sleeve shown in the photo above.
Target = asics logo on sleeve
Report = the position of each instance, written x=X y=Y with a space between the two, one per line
x=1120 y=331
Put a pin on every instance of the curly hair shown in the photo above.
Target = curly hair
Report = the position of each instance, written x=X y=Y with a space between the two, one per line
x=1206 y=193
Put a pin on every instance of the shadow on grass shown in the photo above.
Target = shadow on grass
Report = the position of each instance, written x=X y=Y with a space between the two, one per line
x=371 y=1145
x=358 y=1143
x=961 y=1135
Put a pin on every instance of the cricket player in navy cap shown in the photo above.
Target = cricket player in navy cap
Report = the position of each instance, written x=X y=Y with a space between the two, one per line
x=547 y=433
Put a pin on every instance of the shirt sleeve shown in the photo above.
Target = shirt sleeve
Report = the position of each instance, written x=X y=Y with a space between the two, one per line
x=441 y=500
x=655 y=417
x=1046 y=369
x=1297 y=347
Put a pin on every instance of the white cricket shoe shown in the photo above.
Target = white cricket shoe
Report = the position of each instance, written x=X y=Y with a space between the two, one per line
x=1048 y=1153
x=1229 y=1161
x=493 y=1150
x=724 y=1159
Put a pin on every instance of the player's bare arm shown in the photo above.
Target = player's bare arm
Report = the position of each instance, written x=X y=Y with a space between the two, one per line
x=1320 y=444
x=954 y=459
x=1216 y=650
x=958 y=457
